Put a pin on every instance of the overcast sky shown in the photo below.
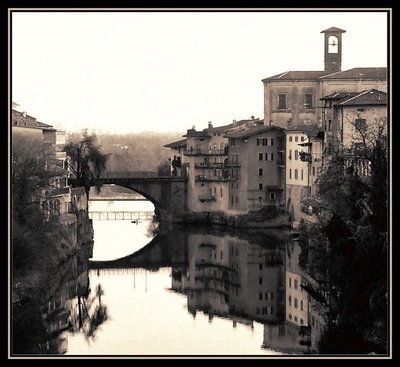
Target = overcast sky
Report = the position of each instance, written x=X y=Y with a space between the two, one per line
x=167 y=71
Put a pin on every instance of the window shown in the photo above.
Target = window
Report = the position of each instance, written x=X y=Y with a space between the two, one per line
x=221 y=192
x=296 y=319
x=260 y=280
x=360 y=125
x=237 y=200
x=302 y=138
x=260 y=171
x=302 y=175
x=215 y=172
x=290 y=138
x=260 y=266
x=295 y=303
x=301 y=305
x=329 y=125
x=257 y=310
x=259 y=141
x=290 y=300
x=290 y=316
x=260 y=186
x=290 y=282
x=313 y=171
x=281 y=101
x=272 y=296
x=271 y=311
x=301 y=321
x=260 y=156
x=266 y=156
x=215 y=191
x=290 y=173
x=295 y=284
x=233 y=142
x=272 y=142
x=266 y=296
x=296 y=155
x=272 y=196
x=333 y=45
x=308 y=100
x=290 y=153
x=296 y=174
x=296 y=138
x=272 y=156
x=260 y=296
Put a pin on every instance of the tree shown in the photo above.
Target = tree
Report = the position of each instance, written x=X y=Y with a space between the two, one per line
x=33 y=235
x=350 y=244
x=87 y=161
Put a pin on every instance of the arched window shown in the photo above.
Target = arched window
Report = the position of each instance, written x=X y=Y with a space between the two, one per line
x=333 y=45
x=51 y=207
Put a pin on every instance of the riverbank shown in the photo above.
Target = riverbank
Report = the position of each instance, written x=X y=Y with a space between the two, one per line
x=265 y=218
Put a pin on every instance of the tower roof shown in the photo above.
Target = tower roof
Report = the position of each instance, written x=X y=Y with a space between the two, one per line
x=333 y=30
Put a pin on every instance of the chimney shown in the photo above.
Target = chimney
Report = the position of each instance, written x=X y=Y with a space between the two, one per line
x=24 y=114
x=210 y=126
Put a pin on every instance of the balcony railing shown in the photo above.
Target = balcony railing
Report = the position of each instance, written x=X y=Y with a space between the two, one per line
x=209 y=165
x=231 y=163
x=205 y=152
x=219 y=178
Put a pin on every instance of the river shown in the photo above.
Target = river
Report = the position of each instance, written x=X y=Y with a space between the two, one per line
x=182 y=292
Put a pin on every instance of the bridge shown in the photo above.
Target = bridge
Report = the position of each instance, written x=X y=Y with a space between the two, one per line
x=167 y=193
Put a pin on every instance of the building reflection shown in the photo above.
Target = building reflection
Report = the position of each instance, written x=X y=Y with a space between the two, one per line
x=253 y=281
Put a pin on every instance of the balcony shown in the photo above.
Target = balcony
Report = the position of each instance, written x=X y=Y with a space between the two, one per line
x=194 y=152
x=219 y=178
x=209 y=165
x=231 y=163
x=206 y=197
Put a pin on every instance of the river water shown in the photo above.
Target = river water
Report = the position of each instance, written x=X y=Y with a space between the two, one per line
x=182 y=292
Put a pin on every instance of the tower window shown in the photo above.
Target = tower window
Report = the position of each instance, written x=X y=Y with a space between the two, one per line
x=281 y=101
x=333 y=45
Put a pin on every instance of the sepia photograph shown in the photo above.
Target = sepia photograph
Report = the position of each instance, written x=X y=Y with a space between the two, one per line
x=199 y=183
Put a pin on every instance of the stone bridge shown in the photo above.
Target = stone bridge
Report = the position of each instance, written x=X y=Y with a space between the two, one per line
x=167 y=193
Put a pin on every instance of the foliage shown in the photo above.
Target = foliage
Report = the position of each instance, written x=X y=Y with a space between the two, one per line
x=347 y=249
x=35 y=240
x=87 y=161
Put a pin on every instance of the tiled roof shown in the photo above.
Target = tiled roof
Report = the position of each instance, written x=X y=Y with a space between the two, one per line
x=358 y=74
x=192 y=133
x=333 y=29
x=254 y=130
x=22 y=119
x=297 y=75
x=368 y=97
x=176 y=144
x=339 y=95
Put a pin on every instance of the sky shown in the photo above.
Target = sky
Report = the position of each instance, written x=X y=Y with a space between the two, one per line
x=128 y=72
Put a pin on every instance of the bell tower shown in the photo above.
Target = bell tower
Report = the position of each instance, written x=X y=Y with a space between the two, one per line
x=333 y=49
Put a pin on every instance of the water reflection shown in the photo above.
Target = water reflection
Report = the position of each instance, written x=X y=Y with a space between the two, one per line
x=66 y=302
x=177 y=296
x=252 y=280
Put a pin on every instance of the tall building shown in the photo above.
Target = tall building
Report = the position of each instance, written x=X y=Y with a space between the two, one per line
x=292 y=98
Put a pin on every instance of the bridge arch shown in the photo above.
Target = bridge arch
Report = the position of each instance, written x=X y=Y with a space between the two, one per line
x=168 y=194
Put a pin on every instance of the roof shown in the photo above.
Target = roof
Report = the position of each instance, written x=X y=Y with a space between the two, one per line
x=176 y=144
x=254 y=130
x=333 y=29
x=23 y=119
x=297 y=75
x=339 y=95
x=218 y=128
x=359 y=74
x=310 y=130
x=367 y=97
x=192 y=133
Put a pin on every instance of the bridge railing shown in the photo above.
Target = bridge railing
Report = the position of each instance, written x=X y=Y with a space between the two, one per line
x=128 y=174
